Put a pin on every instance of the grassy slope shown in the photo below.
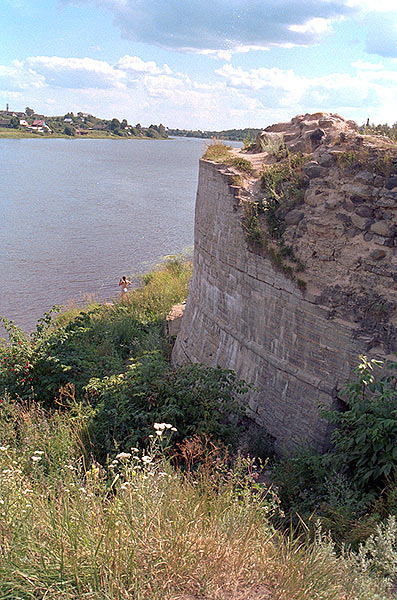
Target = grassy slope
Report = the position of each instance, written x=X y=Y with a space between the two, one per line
x=140 y=527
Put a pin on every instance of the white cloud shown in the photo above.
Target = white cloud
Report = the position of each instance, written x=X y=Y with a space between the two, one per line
x=135 y=64
x=367 y=90
x=316 y=26
x=222 y=26
x=146 y=92
x=76 y=72
x=367 y=66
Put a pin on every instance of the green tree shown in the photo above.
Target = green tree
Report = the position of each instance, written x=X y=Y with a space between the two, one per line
x=69 y=130
x=14 y=122
x=29 y=111
x=114 y=125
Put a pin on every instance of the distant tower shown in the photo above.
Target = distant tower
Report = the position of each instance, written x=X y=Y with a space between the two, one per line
x=7 y=108
x=368 y=122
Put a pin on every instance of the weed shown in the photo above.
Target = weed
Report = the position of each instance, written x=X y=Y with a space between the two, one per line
x=217 y=151
x=242 y=164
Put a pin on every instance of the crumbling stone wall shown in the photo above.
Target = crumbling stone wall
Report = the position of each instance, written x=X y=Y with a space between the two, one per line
x=297 y=346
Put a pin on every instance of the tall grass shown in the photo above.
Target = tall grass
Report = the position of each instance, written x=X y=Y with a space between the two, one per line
x=141 y=529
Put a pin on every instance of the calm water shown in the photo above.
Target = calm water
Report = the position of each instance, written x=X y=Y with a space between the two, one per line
x=75 y=215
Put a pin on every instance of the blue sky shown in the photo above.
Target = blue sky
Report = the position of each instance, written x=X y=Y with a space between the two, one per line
x=201 y=64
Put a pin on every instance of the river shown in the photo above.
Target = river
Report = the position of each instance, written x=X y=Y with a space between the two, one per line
x=75 y=215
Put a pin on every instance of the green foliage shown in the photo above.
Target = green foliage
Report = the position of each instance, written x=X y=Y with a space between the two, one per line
x=366 y=433
x=251 y=225
x=217 y=152
x=195 y=399
x=93 y=343
x=381 y=129
x=242 y=164
x=221 y=153
x=68 y=130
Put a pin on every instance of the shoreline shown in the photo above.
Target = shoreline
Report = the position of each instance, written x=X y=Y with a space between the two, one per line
x=19 y=135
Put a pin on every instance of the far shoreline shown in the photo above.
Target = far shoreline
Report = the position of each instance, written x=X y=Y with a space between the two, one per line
x=7 y=134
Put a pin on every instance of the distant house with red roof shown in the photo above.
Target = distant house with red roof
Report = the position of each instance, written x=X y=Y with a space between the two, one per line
x=40 y=125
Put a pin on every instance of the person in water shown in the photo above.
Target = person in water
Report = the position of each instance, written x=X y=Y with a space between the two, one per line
x=125 y=283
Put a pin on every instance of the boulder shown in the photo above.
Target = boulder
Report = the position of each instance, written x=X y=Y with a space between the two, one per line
x=314 y=170
x=293 y=217
x=377 y=254
x=381 y=228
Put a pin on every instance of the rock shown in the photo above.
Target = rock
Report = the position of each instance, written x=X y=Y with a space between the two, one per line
x=368 y=236
x=174 y=319
x=385 y=202
x=391 y=182
x=381 y=228
x=358 y=189
x=326 y=123
x=344 y=218
x=390 y=194
x=365 y=177
x=364 y=211
x=325 y=160
x=265 y=140
x=352 y=232
x=379 y=181
x=293 y=217
x=377 y=254
x=316 y=136
x=313 y=197
x=314 y=170
x=360 y=222
x=333 y=201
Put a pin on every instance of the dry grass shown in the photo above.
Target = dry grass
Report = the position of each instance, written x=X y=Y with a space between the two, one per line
x=141 y=530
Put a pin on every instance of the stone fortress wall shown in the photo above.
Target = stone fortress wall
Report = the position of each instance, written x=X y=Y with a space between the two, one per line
x=296 y=346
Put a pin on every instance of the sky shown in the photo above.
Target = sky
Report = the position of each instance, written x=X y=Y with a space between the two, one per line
x=201 y=64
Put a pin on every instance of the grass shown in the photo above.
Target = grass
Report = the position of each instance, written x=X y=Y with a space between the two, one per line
x=221 y=153
x=141 y=528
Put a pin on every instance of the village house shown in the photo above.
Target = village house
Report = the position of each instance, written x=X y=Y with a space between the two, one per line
x=40 y=125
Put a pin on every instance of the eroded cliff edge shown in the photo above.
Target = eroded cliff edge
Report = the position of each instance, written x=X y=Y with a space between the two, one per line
x=295 y=268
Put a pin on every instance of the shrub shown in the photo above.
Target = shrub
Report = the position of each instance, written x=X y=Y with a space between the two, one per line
x=195 y=399
x=366 y=433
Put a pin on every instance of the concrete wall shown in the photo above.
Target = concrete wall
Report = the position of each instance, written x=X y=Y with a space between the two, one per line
x=244 y=315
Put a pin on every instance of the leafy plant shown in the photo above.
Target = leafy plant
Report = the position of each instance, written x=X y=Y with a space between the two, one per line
x=195 y=399
x=366 y=433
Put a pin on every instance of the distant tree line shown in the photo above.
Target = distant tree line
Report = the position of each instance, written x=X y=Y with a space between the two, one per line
x=238 y=135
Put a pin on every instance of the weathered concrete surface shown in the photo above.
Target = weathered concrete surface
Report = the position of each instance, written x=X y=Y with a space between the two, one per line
x=297 y=348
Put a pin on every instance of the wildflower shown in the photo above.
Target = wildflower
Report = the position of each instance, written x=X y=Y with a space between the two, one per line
x=159 y=432
x=38 y=452
x=35 y=458
x=123 y=455
x=146 y=459
x=134 y=450
x=125 y=485
x=3 y=448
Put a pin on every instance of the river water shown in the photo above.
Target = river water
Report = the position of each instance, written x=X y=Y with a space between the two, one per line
x=75 y=215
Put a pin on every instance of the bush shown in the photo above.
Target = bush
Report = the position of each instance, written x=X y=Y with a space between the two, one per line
x=366 y=433
x=195 y=399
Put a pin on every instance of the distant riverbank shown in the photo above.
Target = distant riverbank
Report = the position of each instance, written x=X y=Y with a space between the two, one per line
x=8 y=133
